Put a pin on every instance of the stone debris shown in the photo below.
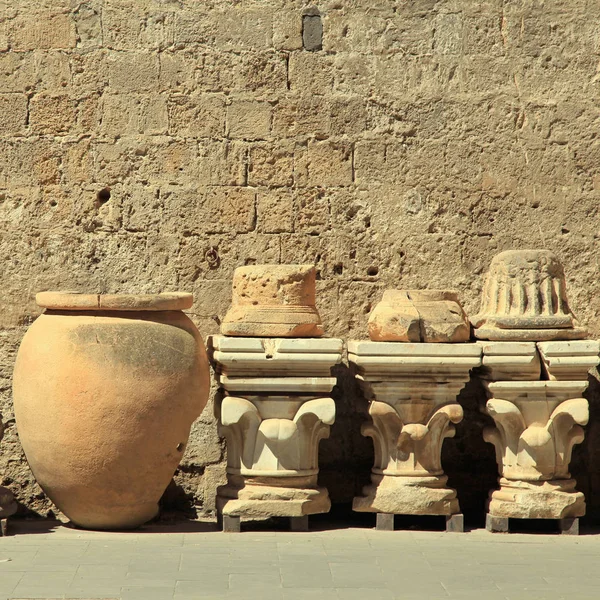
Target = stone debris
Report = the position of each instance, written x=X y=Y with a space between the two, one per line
x=419 y=316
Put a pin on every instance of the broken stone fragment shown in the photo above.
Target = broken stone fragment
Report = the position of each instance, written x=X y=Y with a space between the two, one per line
x=273 y=301
x=419 y=316
x=525 y=299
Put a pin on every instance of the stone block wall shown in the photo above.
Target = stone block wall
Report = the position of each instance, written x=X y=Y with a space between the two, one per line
x=155 y=145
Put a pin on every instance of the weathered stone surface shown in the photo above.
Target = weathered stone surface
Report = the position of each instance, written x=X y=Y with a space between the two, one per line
x=433 y=316
x=441 y=134
x=273 y=301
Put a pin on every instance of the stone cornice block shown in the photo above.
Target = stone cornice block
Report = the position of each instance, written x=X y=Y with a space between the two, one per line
x=535 y=390
x=413 y=360
x=510 y=360
x=277 y=385
x=569 y=360
x=275 y=357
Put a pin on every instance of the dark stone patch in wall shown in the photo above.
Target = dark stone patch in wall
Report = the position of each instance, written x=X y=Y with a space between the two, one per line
x=312 y=31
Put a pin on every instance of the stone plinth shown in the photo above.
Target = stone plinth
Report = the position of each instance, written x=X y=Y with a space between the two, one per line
x=274 y=410
x=537 y=423
x=412 y=390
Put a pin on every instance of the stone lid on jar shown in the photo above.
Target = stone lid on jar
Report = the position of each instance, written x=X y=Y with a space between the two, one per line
x=131 y=302
x=525 y=299
x=273 y=301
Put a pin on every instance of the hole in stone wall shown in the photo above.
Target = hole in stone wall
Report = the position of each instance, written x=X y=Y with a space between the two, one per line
x=338 y=268
x=367 y=221
x=372 y=271
x=102 y=197
x=352 y=254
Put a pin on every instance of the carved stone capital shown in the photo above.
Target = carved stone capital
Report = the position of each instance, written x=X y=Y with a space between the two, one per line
x=274 y=411
x=412 y=390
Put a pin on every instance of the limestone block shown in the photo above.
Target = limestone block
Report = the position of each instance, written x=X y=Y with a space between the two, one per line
x=412 y=390
x=13 y=113
x=510 y=360
x=261 y=71
x=133 y=71
x=133 y=113
x=17 y=71
x=271 y=165
x=275 y=211
x=311 y=72
x=300 y=114
x=240 y=28
x=525 y=298
x=273 y=300
x=311 y=211
x=221 y=162
x=419 y=315
x=569 y=361
x=537 y=425
x=329 y=164
x=348 y=115
x=50 y=113
x=229 y=209
x=41 y=31
x=199 y=116
x=287 y=30
x=249 y=119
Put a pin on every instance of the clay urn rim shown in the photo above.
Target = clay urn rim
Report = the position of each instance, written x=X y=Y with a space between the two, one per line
x=119 y=302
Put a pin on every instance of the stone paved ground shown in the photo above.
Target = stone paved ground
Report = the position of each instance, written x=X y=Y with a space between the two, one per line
x=195 y=562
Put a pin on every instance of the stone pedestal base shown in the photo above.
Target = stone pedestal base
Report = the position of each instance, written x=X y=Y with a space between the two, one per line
x=407 y=496
x=262 y=501
x=555 y=499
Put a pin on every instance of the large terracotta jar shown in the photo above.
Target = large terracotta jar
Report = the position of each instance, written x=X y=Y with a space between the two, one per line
x=106 y=388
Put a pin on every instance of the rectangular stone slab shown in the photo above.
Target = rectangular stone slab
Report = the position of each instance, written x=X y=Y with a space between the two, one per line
x=389 y=349
x=268 y=385
x=569 y=360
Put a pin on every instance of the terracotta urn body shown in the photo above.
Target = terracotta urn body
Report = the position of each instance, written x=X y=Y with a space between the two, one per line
x=105 y=390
